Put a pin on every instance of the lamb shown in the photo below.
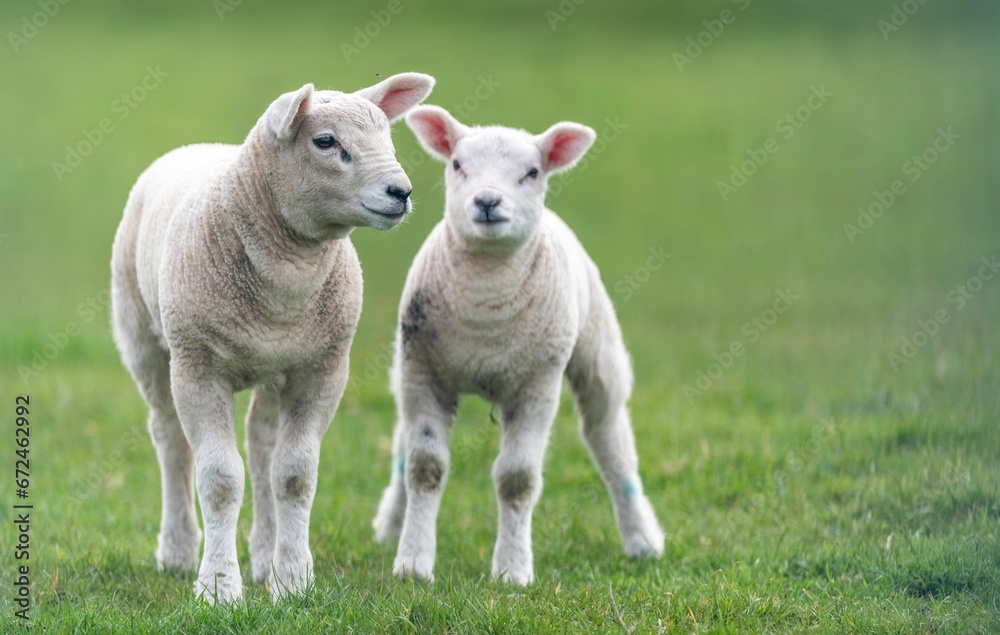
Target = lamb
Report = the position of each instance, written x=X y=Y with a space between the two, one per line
x=232 y=269
x=502 y=301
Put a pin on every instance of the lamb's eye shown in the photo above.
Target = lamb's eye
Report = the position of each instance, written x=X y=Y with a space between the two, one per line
x=324 y=141
x=455 y=164
x=532 y=174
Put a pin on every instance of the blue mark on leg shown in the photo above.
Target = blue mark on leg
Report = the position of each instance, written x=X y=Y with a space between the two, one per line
x=630 y=488
x=399 y=465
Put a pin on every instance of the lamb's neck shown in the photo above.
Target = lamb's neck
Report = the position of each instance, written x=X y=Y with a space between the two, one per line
x=285 y=261
x=495 y=278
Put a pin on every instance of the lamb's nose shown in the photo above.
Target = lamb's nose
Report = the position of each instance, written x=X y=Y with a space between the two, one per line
x=486 y=203
x=398 y=193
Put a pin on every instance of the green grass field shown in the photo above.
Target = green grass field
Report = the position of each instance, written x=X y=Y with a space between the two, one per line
x=839 y=475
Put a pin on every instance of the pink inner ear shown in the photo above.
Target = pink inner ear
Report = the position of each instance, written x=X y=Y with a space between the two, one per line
x=303 y=106
x=390 y=102
x=562 y=147
x=436 y=133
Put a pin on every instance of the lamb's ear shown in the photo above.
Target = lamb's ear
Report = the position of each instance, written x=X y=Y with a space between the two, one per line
x=399 y=93
x=436 y=130
x=563 y=145
x=285 y=114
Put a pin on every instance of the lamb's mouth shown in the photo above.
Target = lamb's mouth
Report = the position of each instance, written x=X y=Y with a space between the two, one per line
x=490 y=219
x=390 y=215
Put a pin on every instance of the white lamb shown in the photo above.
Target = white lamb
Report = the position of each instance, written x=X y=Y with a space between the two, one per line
x=502 y=301
x=233 y=269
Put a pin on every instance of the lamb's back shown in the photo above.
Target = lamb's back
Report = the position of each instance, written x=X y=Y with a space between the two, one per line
x=173 y=184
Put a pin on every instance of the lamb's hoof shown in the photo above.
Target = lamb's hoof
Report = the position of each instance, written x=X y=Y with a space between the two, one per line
x=387 y=526
x=518 y=578
x=388 y=522
x=260 y=568
x=420 y=566
x=644 y=544
x=639 y=548
x=219 y=588
x=642 y=536
x=286 y=580
x=178 y=553
x=261 y=554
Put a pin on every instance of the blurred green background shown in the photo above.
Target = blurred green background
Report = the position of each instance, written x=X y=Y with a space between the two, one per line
x=759 y=501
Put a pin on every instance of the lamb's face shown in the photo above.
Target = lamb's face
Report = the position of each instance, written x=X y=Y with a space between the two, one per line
x=344 y=154
x=496 y=177
x=495 y=185
x=333 y=163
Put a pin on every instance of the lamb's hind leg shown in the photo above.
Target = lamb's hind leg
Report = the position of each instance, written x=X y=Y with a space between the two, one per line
x=262 y=434
x=388 y=521
x=601 y=378
x=179 y=538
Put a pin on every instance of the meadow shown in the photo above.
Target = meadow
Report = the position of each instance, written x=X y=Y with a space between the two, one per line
x=797 y=216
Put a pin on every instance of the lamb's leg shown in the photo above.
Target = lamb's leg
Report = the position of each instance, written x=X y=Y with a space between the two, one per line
x=308 y=403
x=426 y=421
x=205 y=408
x=179 y=538
x=389 y=519
x=517 y=477
x=601 y=378
x=262 y=434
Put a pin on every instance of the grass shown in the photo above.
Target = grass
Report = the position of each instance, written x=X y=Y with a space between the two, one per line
x=812 y=487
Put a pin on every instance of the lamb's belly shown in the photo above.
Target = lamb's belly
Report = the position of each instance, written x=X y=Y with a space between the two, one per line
x=498 y=368
x=266 y=356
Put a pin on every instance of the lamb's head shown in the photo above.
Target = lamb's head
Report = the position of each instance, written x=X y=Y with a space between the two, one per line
x=331 y=165
x=496 y=177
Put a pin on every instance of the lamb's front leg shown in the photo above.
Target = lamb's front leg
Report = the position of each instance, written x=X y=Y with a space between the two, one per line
x=205 y=408
x=308 y=403
x=426 y=421
x=517 y=476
